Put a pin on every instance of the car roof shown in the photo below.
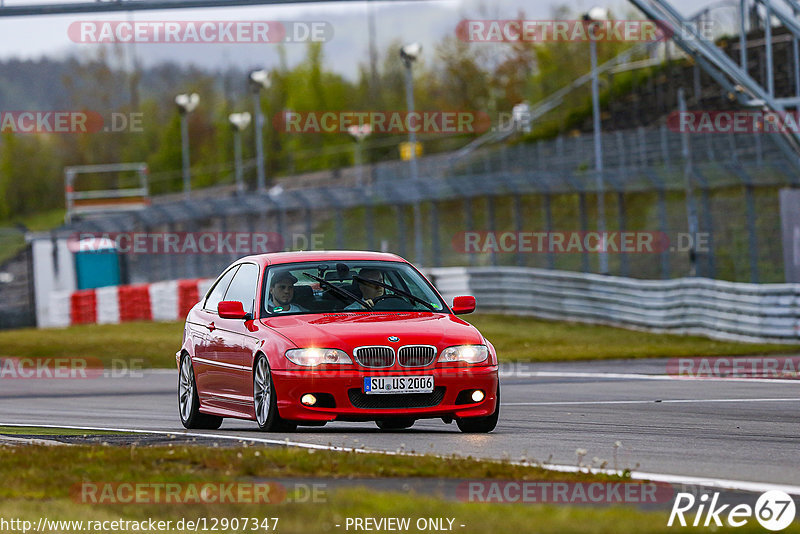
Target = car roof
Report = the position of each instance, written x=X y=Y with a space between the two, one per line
x=276 y=258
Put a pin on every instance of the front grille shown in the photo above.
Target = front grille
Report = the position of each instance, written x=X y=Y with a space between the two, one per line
x=396 y=400
x=374 y=356
x=416 y=355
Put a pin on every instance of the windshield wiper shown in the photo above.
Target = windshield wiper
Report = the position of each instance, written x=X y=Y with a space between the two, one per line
x=400 y=291
x=340 y=290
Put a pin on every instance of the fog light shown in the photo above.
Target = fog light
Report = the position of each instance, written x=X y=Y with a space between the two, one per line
x=310 y=400
x=477 y=395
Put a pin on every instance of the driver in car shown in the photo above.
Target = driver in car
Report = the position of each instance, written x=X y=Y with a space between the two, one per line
x=281 y=293
x=369 y=292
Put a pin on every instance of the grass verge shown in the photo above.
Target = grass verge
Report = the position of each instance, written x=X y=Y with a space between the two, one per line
x=38 y=482
x=151 y=344
x=515 y=338
x=34 y=471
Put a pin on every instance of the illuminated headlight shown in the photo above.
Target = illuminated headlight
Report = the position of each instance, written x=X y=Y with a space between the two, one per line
x=464 y=353
x=314 y=357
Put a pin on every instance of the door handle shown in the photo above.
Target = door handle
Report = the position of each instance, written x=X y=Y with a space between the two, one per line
x=211 y=326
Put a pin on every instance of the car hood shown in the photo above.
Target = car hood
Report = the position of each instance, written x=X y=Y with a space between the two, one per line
x=349 y=330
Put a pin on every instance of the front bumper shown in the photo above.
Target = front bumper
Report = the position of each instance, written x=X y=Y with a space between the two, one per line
x=291 y=385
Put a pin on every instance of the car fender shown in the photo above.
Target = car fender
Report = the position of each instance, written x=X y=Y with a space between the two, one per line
x=492 y=352
x=187 y=346
x=273 y=347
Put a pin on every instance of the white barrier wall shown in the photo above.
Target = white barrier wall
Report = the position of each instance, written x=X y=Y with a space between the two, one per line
x=53 y=280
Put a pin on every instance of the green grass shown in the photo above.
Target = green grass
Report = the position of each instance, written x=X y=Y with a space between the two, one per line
x=12 y=238
x=33 y=471
x=515 y=338
x=46 y=482
x=42 y=221
x=151 y=344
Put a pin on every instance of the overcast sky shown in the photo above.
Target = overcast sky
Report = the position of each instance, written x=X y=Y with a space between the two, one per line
x=426 y=22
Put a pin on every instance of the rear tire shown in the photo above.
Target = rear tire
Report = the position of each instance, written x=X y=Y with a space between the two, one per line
x=189 y=402
x=480 y=425
x=395 y=424
x=265 y=401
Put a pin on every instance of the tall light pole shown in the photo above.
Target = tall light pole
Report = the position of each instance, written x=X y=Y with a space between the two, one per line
x=186 y=104
x=595 y=15
x=359 y=133
x=239 y=122
x=258 y=80
x=409 y=53
x=691 y=208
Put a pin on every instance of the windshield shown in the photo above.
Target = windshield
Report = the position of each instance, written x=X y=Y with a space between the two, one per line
x=357 y=286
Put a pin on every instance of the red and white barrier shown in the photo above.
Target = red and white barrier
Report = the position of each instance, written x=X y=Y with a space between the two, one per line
x=160 y=301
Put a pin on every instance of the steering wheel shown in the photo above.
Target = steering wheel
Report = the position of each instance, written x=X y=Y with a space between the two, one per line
x=381 y=298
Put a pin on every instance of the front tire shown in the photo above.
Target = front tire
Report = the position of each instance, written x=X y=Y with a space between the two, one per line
x=265 y=401
x=189 y=402
x=481 y=425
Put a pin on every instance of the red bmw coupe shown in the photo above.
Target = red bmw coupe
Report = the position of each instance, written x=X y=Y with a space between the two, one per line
x=304 y=338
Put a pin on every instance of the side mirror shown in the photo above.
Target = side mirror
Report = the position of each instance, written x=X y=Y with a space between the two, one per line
x=463 y=304
x=231 y=309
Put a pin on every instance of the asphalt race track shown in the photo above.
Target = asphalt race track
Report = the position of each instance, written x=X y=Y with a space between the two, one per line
x=744 y=430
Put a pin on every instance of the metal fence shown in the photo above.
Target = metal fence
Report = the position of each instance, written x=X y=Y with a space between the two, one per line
x=544 y=187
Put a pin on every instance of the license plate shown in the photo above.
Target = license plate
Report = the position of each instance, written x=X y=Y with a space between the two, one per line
x=398 y=384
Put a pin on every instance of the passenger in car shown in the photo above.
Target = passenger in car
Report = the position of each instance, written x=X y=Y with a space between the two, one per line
x=369 y=292
x=281 y=293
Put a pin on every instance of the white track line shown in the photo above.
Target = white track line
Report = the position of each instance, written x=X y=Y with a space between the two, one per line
x=718 y=483
x=660 y=401
x=637 y=376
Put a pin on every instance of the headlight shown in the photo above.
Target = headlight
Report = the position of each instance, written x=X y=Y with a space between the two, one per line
x=314 y=357
x=464 y=353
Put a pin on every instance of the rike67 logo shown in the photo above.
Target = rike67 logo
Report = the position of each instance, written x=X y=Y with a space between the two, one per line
x=774 y=510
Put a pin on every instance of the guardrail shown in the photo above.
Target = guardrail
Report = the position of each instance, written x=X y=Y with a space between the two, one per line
x=701 y=306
